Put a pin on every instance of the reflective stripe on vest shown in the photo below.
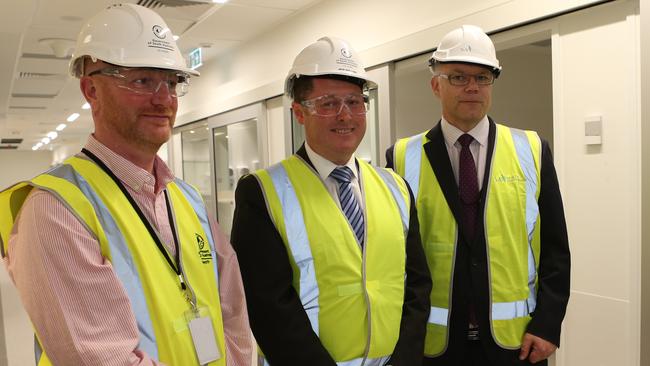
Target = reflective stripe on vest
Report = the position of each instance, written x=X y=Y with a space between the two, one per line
x=298 y=242
x=285 y=186
x=408 y=158
x=381 y=361
x=121 y=259
x=68 y=182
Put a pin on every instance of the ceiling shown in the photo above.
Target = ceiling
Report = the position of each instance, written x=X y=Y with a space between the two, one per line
x=36 y=93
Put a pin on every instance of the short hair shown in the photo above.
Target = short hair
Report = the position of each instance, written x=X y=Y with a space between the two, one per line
x=303 y=85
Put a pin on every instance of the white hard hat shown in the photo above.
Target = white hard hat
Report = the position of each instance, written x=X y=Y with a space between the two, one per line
x=327 y=56
x=128 y=35
x=468 y=44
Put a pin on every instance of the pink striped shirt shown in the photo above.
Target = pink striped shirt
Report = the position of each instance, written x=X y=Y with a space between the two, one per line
x=78 y=306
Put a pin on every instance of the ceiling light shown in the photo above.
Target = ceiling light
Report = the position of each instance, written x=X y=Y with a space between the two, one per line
x=176 y=37
x=38 y=146
x=45 y=140
x=61 y=127
x=192 y=131
x=220 y=1
x=52 y=135
x=73 y=117
x=34 y=147
x=85 y=106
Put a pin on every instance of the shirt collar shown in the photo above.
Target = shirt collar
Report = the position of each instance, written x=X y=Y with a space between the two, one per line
x=130 y=174
x=480 y=132
x=324 y=167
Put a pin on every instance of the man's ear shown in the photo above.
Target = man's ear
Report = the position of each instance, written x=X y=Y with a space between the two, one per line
x=299 y=112
x=435 y=86
x=88 y=89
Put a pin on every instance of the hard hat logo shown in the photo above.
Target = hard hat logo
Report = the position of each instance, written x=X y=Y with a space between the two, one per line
x=346 y=52
x=160 y=32
x=467 y=48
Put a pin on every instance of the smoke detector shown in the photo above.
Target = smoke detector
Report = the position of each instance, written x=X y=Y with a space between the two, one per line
x=62 y=47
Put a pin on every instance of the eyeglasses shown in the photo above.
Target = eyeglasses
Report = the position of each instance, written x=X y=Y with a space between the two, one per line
x=147 y=81
x=332 y=105
x=464 y=79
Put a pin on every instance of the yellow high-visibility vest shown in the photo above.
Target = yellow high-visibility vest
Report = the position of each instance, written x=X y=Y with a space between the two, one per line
x=353 y=298
x=511 y=231
x=153 y=288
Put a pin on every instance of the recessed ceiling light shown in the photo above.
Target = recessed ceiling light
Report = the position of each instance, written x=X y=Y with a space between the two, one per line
x=61 y=127
x=220 y=1
x=176 y=37
x=52 y=135
x=73 y=117
x=34 y=147
x=45 y=140
x=85 y=106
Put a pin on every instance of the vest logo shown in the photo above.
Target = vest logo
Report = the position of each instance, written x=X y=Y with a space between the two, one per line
x=509 y=178
x=204 y=253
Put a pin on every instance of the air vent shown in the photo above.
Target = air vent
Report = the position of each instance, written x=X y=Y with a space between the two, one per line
x=27 y=95
x=43 y=56
x=10 y=141
x=26 y=107
x=153 y=4
x=40 y=76
x=8 y=147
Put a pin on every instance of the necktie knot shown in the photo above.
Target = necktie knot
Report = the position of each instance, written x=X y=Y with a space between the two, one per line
x=342 y=174
x=465 y=140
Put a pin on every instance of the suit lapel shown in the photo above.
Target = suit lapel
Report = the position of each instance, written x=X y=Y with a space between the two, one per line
x=436 y=152
x=488 y=167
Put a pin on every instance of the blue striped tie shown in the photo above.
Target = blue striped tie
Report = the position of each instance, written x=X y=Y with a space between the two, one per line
x=349 y=204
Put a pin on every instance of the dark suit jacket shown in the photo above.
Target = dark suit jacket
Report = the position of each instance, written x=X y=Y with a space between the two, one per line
x=278 y=320
x=470 y=275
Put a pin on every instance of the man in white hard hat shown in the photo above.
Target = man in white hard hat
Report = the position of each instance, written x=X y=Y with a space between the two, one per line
x=329 y=249
x=117 y=261
x=491 y=219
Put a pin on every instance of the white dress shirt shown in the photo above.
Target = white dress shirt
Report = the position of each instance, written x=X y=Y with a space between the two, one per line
x=324 y=167
x=478 y=147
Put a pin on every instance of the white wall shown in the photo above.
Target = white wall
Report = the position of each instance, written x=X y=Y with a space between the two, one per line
x=276 y=130
x=18 y=336
x=67 y=150
x=644 y=79
x=600 y=185
x=382 y=30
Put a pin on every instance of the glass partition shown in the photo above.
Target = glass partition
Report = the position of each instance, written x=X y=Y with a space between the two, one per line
x=236 y=154
x=195 y=145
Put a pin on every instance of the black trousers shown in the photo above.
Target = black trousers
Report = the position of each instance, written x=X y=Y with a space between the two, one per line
x=475 y=356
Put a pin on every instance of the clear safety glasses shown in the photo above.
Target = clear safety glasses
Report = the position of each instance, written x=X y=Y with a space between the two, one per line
x=147 y=81
x=464 y=79
x=332 y=105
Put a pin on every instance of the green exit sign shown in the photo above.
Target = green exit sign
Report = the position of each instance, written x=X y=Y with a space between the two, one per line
x=196 y=58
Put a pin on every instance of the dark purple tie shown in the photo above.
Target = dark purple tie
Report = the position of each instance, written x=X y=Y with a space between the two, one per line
x=468 y=186
x=468 y=191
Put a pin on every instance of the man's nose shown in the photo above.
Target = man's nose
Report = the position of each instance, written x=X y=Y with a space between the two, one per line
x=345 y=113
x=163 y=92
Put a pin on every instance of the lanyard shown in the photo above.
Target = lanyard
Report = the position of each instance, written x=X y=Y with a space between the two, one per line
x=175 y=263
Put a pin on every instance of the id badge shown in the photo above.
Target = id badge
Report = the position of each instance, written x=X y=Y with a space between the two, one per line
x=205 y=343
